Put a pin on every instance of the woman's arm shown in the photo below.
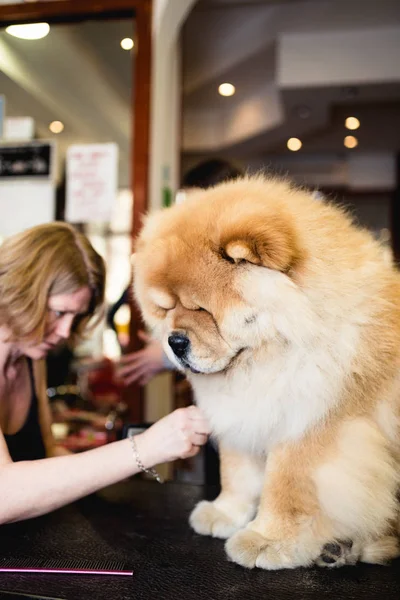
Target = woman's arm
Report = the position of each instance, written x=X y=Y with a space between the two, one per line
x=32 y=488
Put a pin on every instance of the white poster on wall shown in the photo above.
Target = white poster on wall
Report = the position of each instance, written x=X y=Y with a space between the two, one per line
x=92 y=184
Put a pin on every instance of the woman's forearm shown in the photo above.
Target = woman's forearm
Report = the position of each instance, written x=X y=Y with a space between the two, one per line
x=32 y=488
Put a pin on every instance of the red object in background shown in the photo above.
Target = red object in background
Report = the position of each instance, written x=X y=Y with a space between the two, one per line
x=77 y=442
x=103 y=386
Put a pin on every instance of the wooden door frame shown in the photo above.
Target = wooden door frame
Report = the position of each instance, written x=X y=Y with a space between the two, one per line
x=141 y=12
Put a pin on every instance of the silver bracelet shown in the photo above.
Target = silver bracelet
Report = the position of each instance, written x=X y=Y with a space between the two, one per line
x=139 y=463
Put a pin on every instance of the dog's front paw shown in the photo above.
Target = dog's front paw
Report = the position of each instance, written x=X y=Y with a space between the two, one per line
x=251 y=549
x=210 y=519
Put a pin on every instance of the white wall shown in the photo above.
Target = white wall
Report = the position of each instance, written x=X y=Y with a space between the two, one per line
x=210 y=129
x=25 y=204
x=168 y=16
x=339 y=57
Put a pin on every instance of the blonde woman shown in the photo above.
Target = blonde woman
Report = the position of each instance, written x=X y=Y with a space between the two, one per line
x=51 y=285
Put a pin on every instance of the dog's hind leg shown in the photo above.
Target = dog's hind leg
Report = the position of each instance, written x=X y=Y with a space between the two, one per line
x=341 y=553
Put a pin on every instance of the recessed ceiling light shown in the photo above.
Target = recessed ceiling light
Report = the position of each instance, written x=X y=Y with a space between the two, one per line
x=350 y=141
x=56 y=127
x=226 y=89
x=302 y=111
x=127 y=44
x=350 y=92
x=294 y=144
x=352 y=123
x=29 y=31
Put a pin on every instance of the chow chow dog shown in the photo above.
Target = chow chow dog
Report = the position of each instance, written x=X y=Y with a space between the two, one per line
x=285 y=316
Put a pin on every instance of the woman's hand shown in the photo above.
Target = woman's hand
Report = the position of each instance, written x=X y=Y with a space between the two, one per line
x=143 y=365
x=178 y=435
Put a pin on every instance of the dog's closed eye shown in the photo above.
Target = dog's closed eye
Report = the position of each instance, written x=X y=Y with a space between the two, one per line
x=162 y=299
x=226 y=256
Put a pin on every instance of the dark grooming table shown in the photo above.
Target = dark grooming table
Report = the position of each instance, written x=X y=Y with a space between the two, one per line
x=144 y=524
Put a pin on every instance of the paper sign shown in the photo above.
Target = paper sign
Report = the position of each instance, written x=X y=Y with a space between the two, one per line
x=91 y=182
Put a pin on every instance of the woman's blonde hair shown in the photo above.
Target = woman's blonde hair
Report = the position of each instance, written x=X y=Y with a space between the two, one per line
x=40 y=262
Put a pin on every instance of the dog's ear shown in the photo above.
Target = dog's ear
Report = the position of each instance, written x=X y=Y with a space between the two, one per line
x=269 y=244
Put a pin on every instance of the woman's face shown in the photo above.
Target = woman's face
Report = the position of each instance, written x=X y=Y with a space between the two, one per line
x=62 y=312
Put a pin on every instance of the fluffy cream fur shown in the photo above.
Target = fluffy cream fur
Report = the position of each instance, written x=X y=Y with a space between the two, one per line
x=292 y=316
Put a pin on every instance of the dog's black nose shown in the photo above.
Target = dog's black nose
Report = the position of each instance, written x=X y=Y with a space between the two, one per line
x=179 y=344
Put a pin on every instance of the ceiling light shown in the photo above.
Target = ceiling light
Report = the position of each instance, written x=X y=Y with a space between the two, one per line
x=350 y=92
x=56 y=127
x=350 y=141
x=127 y=44
x=294 y=144
x=352 y=123
x=302 y=111
x=226 y=89
x=30 y=31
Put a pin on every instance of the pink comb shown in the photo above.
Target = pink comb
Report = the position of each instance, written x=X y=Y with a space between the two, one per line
x=66 y=567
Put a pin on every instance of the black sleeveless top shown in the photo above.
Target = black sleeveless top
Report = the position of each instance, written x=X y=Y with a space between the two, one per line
x=27 y=443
